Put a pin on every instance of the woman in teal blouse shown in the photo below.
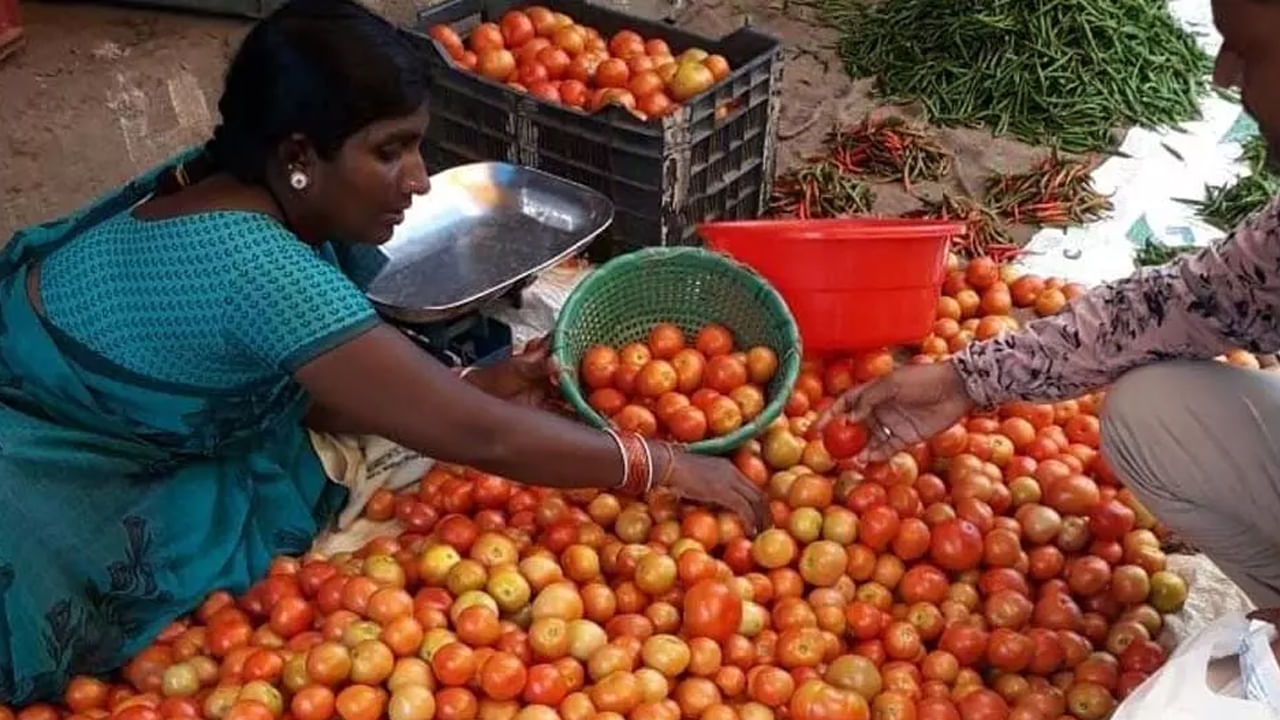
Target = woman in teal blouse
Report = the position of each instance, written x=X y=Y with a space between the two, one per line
x=163 y=350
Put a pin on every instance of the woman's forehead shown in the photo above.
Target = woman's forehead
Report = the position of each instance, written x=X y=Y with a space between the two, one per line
x=414 y=122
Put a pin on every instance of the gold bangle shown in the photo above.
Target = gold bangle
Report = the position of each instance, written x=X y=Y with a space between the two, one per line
x=626 y=461
x=665 y=481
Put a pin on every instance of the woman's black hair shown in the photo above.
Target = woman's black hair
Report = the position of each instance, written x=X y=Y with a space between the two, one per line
x=321 y=68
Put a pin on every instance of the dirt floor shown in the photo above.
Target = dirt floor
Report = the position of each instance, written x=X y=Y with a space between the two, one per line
x=102 y=92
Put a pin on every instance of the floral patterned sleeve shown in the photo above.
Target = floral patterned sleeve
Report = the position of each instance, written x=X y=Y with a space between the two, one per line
x=1223 y=297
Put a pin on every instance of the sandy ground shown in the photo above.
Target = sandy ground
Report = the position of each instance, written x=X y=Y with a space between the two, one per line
x=100 y=93
x=103 y=92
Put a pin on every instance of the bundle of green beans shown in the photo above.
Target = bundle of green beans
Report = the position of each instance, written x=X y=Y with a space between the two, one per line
x=1226 y=206
x=1064 y=73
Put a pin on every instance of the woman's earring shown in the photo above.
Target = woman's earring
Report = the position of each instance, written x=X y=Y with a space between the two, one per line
x=298 y=180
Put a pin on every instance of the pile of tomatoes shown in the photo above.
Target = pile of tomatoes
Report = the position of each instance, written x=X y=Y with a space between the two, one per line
x=556 y=60
x=997 y=572
x=669 y=388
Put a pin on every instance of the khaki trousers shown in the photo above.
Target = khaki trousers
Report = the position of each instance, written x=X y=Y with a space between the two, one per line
x=1199 y=444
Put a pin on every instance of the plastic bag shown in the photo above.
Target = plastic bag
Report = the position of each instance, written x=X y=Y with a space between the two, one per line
x=1185 y=688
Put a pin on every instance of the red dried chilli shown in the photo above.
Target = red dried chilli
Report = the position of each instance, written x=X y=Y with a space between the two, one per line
x=1056 y=193
x=889 y=150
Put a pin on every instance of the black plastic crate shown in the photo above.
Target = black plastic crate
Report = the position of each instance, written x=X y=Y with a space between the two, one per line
x=713 y=159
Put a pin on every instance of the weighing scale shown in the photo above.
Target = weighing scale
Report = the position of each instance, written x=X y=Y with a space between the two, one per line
x=480 y=236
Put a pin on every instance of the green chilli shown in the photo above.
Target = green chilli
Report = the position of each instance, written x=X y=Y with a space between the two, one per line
x=1066 y=73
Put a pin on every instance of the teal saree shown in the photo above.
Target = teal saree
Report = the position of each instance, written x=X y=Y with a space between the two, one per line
x=125 y=499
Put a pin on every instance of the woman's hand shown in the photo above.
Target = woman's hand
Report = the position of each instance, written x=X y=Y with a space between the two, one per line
x=715 y=481
x=525 y=378
x=908 y=406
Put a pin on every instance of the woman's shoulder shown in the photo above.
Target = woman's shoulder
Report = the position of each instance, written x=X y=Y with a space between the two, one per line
x=250 y=236
x=236 y=240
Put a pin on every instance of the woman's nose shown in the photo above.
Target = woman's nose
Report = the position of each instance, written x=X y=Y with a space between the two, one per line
x=416 y=180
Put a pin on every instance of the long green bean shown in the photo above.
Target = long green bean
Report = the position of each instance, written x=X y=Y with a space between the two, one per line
x=1067 y=73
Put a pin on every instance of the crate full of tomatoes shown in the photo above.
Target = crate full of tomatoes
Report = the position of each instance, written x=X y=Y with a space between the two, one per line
x=675 y=128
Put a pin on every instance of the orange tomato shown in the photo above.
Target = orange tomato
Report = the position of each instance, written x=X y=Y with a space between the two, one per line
x=569 y=39
x=486 y=36
x=718 y=66
x=448 y=39
x=495 y=63
x=516 y=27
x=612 y=73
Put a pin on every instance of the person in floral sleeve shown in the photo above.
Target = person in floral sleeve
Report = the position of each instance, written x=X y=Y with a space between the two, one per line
x=1198 y=441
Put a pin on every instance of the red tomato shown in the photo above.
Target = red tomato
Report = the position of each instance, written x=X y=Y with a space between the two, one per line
x=545 y=686
x=924 y=583
x=933 y=708
x=1009 y=651
x=712 y=609
x=516 y=27
x=879 y=526
x=1111 y=520
x=503 y=676
x=612 y=73
x=956 y=545
x=967 y=644
x=1145 y=656
x=983 y=705
x=486 y=36
x=844 y=439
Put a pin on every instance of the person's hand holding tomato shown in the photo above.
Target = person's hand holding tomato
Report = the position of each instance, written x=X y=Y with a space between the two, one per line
x=526 y=377
x=908 y=406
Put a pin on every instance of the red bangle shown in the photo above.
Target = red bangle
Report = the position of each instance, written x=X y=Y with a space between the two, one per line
x=638 y=464
x=637 y=467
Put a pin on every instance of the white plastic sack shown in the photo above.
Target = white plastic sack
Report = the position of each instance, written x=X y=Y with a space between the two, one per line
x=1244 y=686
x=365 y=464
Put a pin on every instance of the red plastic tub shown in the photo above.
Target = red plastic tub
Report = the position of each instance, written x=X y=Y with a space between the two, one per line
x=855 y=284
x=10 y=27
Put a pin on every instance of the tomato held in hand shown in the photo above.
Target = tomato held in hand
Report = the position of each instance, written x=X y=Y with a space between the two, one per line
x=844 y=439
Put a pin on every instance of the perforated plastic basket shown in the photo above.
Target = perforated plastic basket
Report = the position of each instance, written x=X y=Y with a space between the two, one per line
x=621 y=302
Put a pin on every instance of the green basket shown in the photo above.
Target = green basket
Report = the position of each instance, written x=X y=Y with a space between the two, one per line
x=621 y=301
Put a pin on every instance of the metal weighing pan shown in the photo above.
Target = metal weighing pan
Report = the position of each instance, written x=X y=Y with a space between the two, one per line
x=480 y=230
